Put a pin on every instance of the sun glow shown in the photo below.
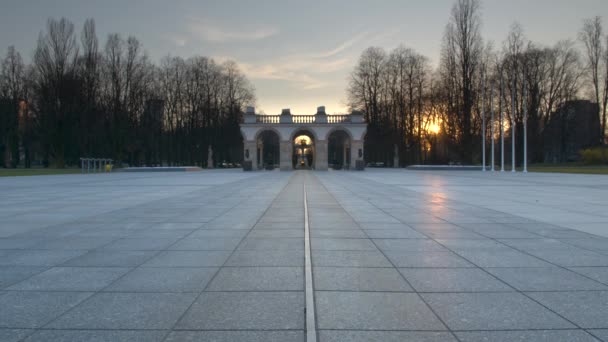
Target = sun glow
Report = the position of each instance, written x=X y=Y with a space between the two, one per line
x=434 y=128
x=302 y=138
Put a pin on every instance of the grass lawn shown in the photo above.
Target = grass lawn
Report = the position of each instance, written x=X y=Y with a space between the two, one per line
x=576 y=168
x=573 y=168
x=36 y=172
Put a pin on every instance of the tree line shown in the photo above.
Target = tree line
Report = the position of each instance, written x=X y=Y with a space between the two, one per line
x=79 y=98
x=436 y=114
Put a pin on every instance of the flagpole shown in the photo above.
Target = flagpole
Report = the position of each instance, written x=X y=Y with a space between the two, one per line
x=492 y=122
x=502 y=133
x=525 y=128
x=483 y=122
x=513 y=84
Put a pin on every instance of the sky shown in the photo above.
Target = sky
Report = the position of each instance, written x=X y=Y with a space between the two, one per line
x=297 y=54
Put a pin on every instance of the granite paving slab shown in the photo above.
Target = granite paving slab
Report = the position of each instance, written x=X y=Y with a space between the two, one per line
x=71 y=279
x=97 y=336
x=493 y=311
x=126 y=311
x=29 y=309
x=374 y=311
x=588 y=309
x=245 y=311
x=219 y=255
x=524 y=336
x=164 y=279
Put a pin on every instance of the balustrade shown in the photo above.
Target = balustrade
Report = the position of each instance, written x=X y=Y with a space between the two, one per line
x=303 y=119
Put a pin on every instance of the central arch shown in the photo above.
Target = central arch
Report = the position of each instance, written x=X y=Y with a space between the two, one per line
x=304 y=149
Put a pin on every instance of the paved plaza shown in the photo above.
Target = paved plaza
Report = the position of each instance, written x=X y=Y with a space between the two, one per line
x=226 y=255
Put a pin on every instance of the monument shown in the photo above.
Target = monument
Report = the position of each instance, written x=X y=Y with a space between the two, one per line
x=276 y=140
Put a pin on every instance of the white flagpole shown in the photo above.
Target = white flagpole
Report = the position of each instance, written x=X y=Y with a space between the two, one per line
x=525 y=128
x=492 y=121
x=502 y=128
x=483 y=122
x=513 y=123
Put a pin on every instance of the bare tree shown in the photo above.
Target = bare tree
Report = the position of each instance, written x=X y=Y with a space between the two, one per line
x=462 y=50
x=55 y=61
x=90 y=119
x=12 y=75
x=366 y=92
x=605 y=93
x=172 y=79
x=592 y=37
x=366 y=83
x=563 y=75
x=391 y=90
x=12 y=91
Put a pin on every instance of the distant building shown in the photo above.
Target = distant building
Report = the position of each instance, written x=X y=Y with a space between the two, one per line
x=573 y=127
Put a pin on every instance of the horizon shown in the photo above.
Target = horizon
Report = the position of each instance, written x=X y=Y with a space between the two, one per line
x=296 y=56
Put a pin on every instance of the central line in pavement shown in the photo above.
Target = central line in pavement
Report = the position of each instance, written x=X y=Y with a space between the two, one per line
x=311 y=330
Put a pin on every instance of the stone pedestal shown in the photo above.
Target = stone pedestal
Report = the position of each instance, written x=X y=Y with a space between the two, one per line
x=250 y=153
x=357 y=154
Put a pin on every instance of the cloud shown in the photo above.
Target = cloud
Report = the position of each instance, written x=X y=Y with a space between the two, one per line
x=342 y=47
x=305 y=73
x=282 y=72
x=177 y=40
x=305 y=70
x=214 y=33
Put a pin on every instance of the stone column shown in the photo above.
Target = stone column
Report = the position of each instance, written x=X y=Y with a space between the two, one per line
x=344 y=159
x=260 y=164
x=321 y=155
x=355 y=146
x=251 y=147
x=286 y=150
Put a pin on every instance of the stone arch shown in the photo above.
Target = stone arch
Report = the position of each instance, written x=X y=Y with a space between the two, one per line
x=268 y=128
x=297 y=131
x=299 y=160
x=339 y=147
x=339 y=128
x=268 y=145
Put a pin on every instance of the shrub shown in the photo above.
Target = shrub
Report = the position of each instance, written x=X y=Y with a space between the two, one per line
x=595 y=156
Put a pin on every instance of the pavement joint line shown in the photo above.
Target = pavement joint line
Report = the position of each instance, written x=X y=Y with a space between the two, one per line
x=311 y=331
